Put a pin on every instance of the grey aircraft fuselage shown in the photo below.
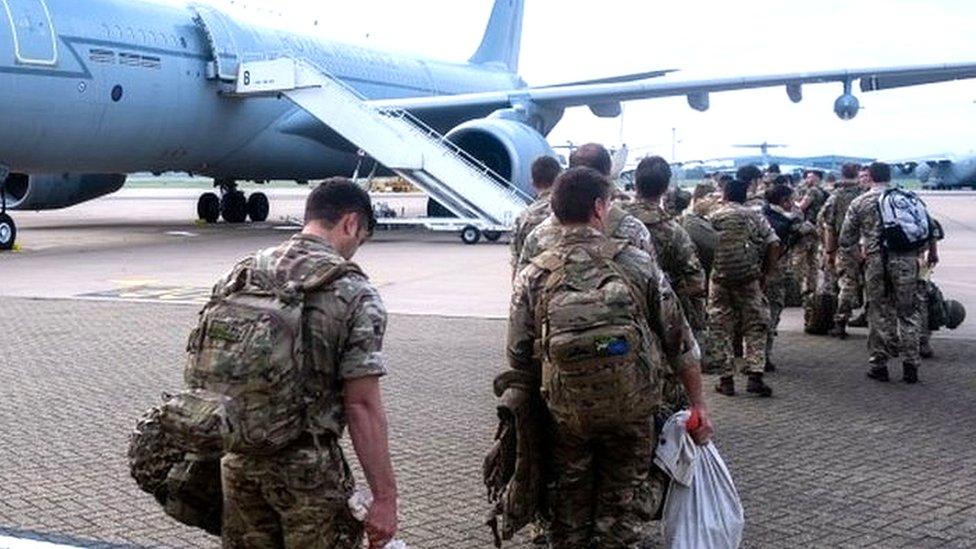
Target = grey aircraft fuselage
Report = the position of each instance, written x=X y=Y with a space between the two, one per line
x=130 y=93
x=948 y=174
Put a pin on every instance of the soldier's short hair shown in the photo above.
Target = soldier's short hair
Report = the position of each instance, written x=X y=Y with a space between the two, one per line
x=545 y=170
x=778 y=193
x=336 y=197
x=592 y=155
x=736 y=191
x=575 y=194
x=748 y=174
x=880 y=172
x=652 y=177
x=773 y=168
x=849 y=170
x=818 y=173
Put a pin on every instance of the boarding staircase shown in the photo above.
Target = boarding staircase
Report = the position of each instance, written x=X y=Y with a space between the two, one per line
x=470 y=190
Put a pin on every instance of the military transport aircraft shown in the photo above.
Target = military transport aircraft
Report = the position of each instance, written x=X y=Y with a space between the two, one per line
x=941 y=171
x=93 y=90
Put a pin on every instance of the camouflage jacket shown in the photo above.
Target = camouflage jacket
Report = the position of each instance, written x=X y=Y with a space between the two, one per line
x=863 y=226
x=833 y=212
x=620 y=225
x=816 y=196
x=531 y=218
x=344 y=322
x=676 y=253
x=670 y=328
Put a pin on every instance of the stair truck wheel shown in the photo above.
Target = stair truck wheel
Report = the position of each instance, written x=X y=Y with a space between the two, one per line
x=492 y=236
x=470 y=234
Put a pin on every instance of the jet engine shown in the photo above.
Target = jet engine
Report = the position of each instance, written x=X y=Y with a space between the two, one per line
x=923 y=172
x=508 y=147
x=55 y=191
x=907 y=168
x=847 y=106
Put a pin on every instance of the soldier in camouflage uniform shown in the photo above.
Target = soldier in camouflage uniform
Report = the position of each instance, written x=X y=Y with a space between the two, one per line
x=786 y=224
x=601 y=493
x=297 y=498
x=742 y=308
x=676 y=253
x=753 y=177
x=841 y=275
x=806 y=265
x=619 y=225
x=891 y=283
x=545 y=169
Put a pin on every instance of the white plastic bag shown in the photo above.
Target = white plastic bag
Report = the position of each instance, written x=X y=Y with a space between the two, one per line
x=702 y=509
x=359 y=504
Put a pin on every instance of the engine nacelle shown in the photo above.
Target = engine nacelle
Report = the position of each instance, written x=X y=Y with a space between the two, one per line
x=507 y=147
x=846 y=106
x=924 y=172
x=55 y=191
x=907 y=168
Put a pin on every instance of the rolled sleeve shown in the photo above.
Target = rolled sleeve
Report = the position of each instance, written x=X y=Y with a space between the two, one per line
x=362 y=355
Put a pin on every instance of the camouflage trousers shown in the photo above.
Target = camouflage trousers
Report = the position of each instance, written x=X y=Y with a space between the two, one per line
x=850 y=286
x=297 y=499
x=602 y=492
x=894 y=307
x=741 y=309
x=806 y=265
x=776 y=296
x=696 y=312
x=924 y=332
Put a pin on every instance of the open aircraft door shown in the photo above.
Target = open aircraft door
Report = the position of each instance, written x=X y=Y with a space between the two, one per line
x=35 y=42
x=218 y=29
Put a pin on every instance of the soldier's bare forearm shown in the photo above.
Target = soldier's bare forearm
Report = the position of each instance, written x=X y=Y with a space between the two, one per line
x=691 y=379
x=368 y=431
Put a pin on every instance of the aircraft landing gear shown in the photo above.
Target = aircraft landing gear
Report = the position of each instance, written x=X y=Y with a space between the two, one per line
x=208 y=207
x=8 y=230
x=232 y=205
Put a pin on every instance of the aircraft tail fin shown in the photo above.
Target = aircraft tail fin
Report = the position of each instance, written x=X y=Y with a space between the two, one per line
x=503 y=37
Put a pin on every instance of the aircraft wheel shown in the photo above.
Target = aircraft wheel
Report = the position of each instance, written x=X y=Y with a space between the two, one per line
x=258 y=207
x=470 y=234
x=8 y=232
x=233 y=207
x=492 y=236
x=208 y=207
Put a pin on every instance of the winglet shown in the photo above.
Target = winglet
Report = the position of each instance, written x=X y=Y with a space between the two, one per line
x=503 y=37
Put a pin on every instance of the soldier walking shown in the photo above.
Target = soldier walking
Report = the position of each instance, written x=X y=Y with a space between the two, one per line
x=594 y=320
x=745 y=259
x=841 y=274
x=545 y=169
x=887 y=229
x=296 y=497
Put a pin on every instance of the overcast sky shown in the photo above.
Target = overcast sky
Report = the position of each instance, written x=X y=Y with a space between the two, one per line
x=566 y=40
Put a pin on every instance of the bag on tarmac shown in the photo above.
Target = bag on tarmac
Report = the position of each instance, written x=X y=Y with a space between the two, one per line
x=738 y=254
x=905 y=223
x=942 y=312
x=597 y=370
x=245 y=371
x=818 y=313
x=187 y=487
x=702 y=507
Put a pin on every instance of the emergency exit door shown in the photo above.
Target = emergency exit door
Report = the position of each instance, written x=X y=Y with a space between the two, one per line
x=35 y=42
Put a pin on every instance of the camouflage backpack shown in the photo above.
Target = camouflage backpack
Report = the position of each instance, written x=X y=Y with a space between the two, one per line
x=245 y=373
x=598 y=371
x=738 y=254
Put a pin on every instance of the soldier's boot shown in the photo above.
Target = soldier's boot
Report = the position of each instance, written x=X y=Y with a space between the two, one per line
x=925 y=349
x=859 y=321
x=769 y=367
x=909 y=372
x=879 y=368
x=726 y=386
x=839 y=330
x=758 y=387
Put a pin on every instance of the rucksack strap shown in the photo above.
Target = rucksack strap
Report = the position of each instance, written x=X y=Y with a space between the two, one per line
x=326 y=277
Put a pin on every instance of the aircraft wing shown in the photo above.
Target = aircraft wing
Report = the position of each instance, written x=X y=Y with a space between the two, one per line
x=603 y=94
